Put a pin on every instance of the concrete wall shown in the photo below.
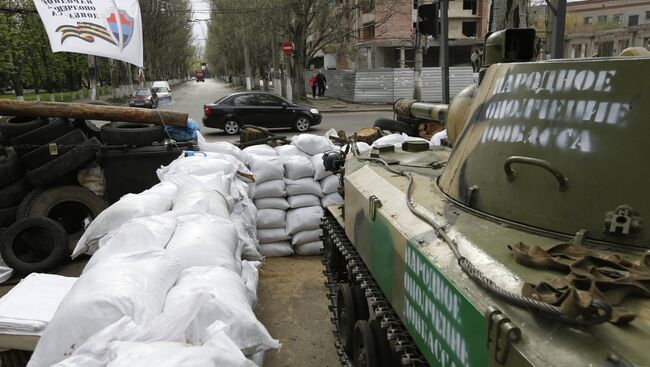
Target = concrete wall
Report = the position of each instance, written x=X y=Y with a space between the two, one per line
x=126 y=90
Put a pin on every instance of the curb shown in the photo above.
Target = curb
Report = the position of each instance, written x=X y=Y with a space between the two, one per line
x=343 y=110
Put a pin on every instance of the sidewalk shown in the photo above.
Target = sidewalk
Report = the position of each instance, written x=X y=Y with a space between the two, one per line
x=331 y=105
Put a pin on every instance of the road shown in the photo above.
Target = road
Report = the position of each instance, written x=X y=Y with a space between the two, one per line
x=191 y=96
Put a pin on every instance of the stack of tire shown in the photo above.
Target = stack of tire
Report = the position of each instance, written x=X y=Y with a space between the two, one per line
x=41 y=202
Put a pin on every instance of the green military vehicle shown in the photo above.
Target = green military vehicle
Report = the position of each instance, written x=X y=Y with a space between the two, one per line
x=523 y=245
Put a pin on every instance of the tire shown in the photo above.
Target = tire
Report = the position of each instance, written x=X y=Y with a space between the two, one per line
x=8 y=216
x=70 y=206
x=41 y=155
x=364 y=352
x=360 y=303
x=42 y=135
x=346 y=315
x=12 y=195
x=17 y=126
x=24 y=245
x=4 y=141
x=396 y=126
x=231 y=127
x=64 y=164
x=25 y=203
x=88 y=127
x=384 y=356
x=302 y=124
x=11 y=170
x=124 y=133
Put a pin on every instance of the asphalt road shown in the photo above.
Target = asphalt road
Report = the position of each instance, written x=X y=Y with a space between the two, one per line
x=191 y=96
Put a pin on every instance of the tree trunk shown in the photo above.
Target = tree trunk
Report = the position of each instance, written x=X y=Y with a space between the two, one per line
x=16 y=77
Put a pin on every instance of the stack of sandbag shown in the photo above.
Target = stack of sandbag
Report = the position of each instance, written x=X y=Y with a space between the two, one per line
x=269 y=196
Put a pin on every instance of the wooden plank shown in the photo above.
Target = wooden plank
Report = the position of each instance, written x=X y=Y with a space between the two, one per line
x=84 y=111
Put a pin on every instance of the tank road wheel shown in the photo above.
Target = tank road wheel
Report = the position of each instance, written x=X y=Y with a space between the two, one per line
x=364 y=353
x=360 y=302
x=346 y=315
x=335 y=261
x=384 y=357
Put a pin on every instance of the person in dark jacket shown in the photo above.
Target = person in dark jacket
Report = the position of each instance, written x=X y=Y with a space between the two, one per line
x=322 y=83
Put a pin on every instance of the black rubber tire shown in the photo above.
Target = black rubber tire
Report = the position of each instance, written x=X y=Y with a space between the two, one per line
x=396 y=126
x=8 y=216
x=41 y=155
x=43 y=135
x=64 y=164
x=232 y=132
x=12 y=195
x=23 y=245
x=295 y=124
x=17 y=126
x=125 y=133
x=382 y=347
x=11 y=170
x=70 y=206
x=4 y=141
x=88 y=127
x=346 y=315
x=364 y=353
x=25 y=203
x=360 y=302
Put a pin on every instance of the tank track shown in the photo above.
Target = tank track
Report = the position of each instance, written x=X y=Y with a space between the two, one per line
x=399 y=340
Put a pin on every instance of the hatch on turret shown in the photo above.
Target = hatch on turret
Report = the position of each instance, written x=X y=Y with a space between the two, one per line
x=561 y=146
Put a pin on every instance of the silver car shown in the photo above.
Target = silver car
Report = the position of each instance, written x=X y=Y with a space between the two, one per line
x=163 y=93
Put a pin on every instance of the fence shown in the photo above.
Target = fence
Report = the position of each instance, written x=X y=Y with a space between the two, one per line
x=387 y=85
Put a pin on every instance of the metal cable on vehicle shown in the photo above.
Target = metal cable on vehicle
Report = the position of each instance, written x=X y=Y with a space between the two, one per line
x=603 y=311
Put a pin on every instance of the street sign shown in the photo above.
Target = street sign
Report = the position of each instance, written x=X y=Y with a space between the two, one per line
x=287 y=47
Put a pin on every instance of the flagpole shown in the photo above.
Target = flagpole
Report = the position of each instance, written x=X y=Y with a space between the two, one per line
x=119 y=25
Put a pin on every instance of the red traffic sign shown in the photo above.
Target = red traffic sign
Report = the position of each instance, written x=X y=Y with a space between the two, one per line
x=287 y=47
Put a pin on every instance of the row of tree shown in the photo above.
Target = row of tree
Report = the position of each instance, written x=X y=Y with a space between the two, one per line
x=27 y=62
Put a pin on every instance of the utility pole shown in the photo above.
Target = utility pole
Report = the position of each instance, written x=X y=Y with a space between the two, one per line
x=444 y=48
x=247 y=67
x=277 y=84
x=557 y=24
x=417 y=70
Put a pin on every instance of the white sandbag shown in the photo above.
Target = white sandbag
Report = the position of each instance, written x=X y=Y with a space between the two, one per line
x=133 y=286
x=309 y=249
x=205 y=240
x=218 y=181
x=297 y=166
x=199 y=166
x=251 y=276
x=271 y=218
x=206 y=201
x=312 y=144
x=260 y=149
x=303 y=237
x=266 y=168
x=250 y=249
x=139 y=235
x=330 y=184
x=220 y=147
x=272 y=203
x=269 y=189
x=301 y=201
x=319 y=168
x=272 y=235
x=156 y=200
x=284 y=150
x=303 y=219
x=438 y=137
x=361 y=146
x=277 y=249
x=230 y=304
x=332 y=199
x=303 y=186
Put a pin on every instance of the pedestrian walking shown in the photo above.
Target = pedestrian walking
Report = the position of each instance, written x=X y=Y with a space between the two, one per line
x=322 y=83
x=313 y=83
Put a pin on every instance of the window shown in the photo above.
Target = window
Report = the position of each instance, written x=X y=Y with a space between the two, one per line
x=647 y=15
x=268 y=100
x=618 y=18
x=587 y=20
x=470 y=5
x=368 y=31
x=632 y=20
x=245 y=100
x=602 y=19
x=623 y=44
x=469 y=29
x=606 y=49
x=646 y=43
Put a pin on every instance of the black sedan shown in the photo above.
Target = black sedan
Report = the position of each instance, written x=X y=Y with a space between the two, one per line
x=258 y=108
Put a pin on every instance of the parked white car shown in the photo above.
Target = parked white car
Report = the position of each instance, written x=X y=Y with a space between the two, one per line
x=163 y=89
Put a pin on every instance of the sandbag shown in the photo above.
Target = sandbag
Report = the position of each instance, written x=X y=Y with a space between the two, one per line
x=230 y=304
x=133 y=286
x=303 y=237
x=312 y=144
x=260 y=149
x=206 y=201
x=303 y=186
x=221 y=147
x=301 y=201
x=297 y=166
x=197 y=165
x=392 y=139
x=309 y=249
x=266 y=168
x=205 y=240
x=156 y=200
x=319 y=167
x=269 y=189
x=217 y=181
x=277 y=249
x=271 y=218
x=284 y=150
x=251 y=276
x=272 y=235
x=330 y=184
x=361 y=146
x=332 y=199
x=304 y=219
x=247 y=240
x=272 y=203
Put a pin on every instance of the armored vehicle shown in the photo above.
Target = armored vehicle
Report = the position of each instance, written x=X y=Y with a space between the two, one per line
x=523 y=245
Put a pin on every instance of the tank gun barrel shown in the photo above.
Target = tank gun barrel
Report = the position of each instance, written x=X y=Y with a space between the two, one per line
x=423 y=110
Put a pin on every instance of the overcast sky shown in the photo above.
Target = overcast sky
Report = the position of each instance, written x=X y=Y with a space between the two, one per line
x=201 y=11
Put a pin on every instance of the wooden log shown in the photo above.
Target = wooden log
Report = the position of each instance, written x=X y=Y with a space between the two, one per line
x=368 y=135
x=82 y=111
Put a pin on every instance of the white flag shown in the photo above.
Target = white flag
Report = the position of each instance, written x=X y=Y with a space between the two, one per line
x=109 y=28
